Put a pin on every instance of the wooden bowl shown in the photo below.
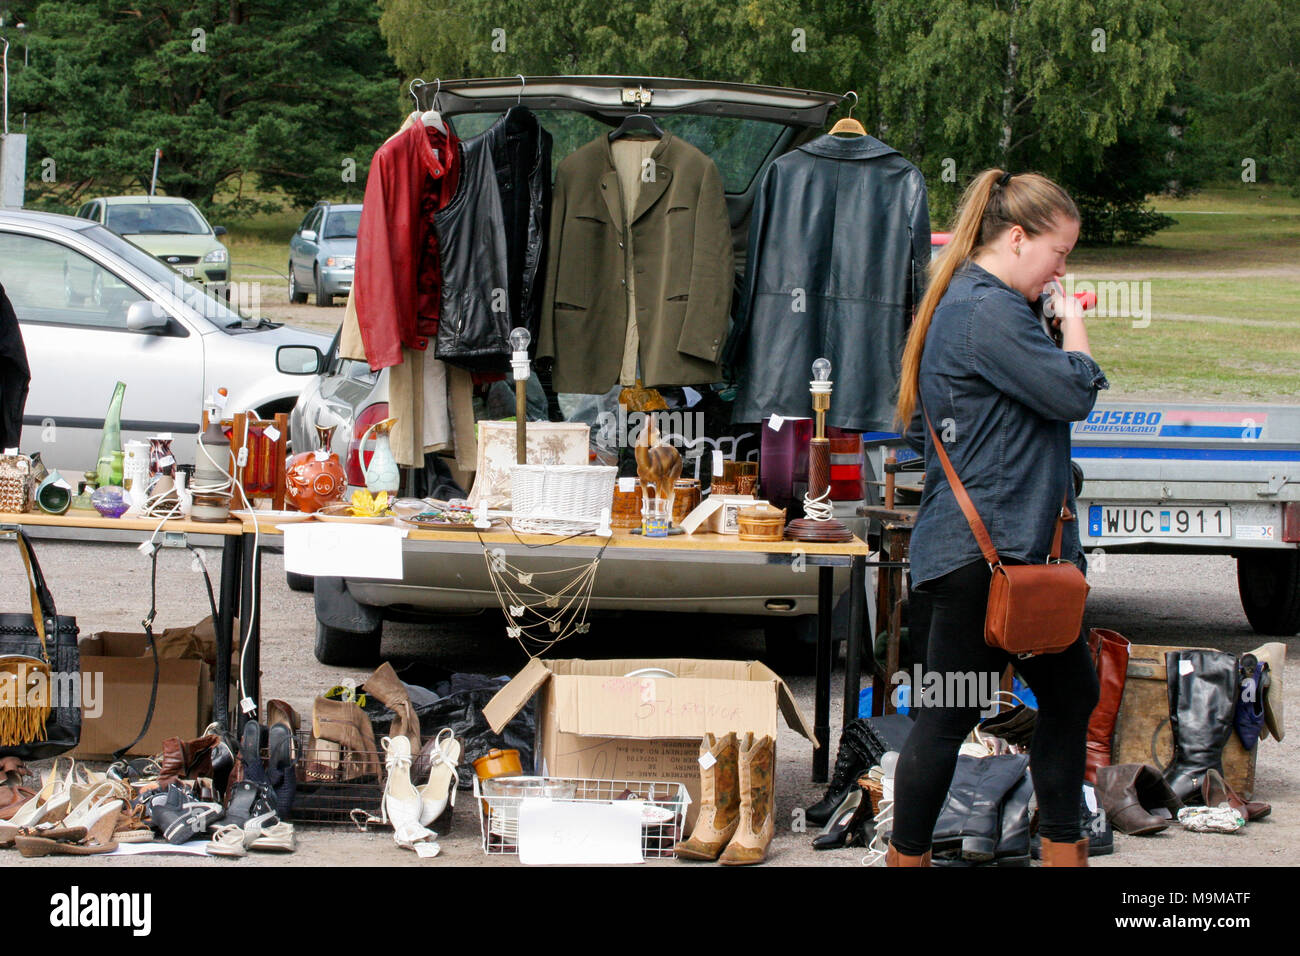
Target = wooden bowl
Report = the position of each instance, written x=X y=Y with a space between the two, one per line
x=762 y=523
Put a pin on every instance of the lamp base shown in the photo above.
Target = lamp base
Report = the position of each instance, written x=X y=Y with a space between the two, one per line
x=808 y=529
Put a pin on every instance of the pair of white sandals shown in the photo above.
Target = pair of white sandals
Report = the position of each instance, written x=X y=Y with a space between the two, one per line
x=263 y=832
x=410 y=809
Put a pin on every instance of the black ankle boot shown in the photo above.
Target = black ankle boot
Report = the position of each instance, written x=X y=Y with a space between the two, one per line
x=1202 y=703
x=850 y=763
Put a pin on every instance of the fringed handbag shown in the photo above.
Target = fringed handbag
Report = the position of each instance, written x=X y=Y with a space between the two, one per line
x=40 y=673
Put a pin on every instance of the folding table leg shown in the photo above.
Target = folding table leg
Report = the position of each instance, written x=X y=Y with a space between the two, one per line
x=853 y=645
x=822 y=713
x=227 y=608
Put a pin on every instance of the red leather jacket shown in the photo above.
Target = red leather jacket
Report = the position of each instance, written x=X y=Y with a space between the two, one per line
x=397 y=280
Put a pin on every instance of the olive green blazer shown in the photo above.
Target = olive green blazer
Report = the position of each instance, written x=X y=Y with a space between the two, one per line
x=683 y=269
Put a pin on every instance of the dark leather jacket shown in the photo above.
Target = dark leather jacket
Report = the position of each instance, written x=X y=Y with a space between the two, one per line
x=492 y=242
x=839 y=242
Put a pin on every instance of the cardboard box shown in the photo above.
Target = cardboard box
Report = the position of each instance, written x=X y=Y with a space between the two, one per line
x=594 y=722
x=1142 y=732
x=183 y=707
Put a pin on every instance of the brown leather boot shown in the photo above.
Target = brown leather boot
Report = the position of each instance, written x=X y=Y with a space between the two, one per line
x=387 y=688
x=185 y=759
x=1110 y=654
x=719 y=800
x=894 y=858
x=347 y=725
x=756 y=826
x=1065 y=854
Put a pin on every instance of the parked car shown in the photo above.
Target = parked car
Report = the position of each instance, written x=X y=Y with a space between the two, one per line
x=322 y=253
x=170 y=228
x=95 y=309
x=744 y=128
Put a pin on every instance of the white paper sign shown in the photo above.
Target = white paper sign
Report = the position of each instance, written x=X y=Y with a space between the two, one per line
x=569 y=832
x=775 y=423
x=339 y=550
x=272 y=433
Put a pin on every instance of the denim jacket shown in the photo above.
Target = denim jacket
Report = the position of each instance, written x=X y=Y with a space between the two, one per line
x=1001 y=396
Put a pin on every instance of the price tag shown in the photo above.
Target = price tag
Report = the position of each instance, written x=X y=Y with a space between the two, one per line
x=271 y=432
x=1185 y=668
x=11 y=451
x=775 y=423
x=717 y=462
x=63 y=484
x=627 y=485
x=166 y=462
x=707 y=760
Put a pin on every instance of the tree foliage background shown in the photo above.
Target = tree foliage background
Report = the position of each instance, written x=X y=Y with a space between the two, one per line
x=1117 y=99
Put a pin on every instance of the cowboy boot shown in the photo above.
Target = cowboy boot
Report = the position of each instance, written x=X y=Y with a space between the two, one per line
x=387 y=688
x=1110 y=655
x=344 y=723
x=756 y=827
x=894 y=858
x=1202 y=703
x=719 y=800
x=1065 y=854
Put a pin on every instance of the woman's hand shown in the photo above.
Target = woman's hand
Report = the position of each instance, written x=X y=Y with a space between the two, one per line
x=1067 y=316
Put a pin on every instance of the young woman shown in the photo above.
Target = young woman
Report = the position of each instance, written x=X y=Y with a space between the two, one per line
x=983 y=361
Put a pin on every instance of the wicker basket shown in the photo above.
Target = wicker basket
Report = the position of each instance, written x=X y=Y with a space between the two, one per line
x=560 y=499
x=762 y=523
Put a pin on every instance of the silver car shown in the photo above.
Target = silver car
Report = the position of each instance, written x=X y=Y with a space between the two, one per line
x=95 y=310
x=322 y=253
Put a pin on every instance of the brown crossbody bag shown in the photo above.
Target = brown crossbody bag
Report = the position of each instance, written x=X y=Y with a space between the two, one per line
x=1033 y=608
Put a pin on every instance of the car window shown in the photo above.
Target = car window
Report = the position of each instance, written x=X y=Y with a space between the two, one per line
x=48 y=282
x=737 y=146
x=313 y=221
x=133 y=219
x=341 y=224
x=306 y=220
x=85 y=211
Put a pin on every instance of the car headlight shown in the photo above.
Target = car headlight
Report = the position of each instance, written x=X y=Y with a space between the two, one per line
x=216 y=255
x=340 y=262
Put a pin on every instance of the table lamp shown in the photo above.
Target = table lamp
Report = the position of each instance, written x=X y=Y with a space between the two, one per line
x=819 y=522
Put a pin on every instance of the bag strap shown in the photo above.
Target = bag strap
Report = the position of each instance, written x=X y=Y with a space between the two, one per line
x=42 y=601
x=120 y=754
x=972 y=516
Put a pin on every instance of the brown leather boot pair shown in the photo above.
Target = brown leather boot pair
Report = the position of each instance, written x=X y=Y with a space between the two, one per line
x=343 y=742
x=737 y=803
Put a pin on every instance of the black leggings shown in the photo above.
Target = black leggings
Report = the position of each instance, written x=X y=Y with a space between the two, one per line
x=1065 y=685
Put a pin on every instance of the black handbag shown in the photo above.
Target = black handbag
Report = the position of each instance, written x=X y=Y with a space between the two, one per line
x=40 y=673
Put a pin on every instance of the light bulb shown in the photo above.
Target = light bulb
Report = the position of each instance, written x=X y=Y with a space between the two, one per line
x=821 y=370
x=519 y=339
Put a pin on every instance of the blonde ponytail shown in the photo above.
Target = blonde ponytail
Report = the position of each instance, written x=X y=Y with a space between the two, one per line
x=993 y=203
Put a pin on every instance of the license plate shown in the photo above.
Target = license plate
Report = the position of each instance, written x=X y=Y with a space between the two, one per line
x=1137 y=521
x=186 y=270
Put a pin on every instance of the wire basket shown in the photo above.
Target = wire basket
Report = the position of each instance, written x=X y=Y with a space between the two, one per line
x=560 y=499
x=663 y=816
x=331 y=785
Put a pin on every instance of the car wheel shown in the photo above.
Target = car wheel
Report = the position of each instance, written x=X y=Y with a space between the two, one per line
x=322 y=297
x=347 y=648
x=300 y=582
x=1269 y=585
x=295 y=294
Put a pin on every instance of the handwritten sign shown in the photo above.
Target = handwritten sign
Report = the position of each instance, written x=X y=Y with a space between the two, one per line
x=339 y=550
x=560 y=832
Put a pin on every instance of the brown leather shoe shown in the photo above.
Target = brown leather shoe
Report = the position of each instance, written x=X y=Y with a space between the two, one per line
x=894 y=858
x=1065 y=854
x=387 y=688
x=1216 y=792
x=347 y=725
x=1129 y=792
x=1110 y=655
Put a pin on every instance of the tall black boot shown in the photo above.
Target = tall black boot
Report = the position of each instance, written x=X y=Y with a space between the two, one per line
x=970 y=822
x=1202 y=703
x=850 y=763
x=1013 y=841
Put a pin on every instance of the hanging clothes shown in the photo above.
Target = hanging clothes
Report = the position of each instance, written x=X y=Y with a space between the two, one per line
x=839 y=244
x=433 y=404
x=397 y=284
x=492 y=236
x=665 y=268
x=15 y=375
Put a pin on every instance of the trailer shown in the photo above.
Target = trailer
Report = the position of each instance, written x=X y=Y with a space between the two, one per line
x=1181 y=477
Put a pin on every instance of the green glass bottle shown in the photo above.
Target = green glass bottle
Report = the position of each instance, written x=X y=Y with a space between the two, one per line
x=112 y=437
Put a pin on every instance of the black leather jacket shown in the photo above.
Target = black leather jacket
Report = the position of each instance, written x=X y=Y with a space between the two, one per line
x=492 y=242
x=839 y=243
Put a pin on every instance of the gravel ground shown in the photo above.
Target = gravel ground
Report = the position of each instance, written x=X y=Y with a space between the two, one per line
x=1157 y=600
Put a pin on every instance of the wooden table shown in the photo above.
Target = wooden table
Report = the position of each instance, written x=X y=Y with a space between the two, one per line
x=715 y=548
x=240 y=572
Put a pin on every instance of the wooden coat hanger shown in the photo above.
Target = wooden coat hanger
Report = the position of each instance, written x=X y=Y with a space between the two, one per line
x=849 y=124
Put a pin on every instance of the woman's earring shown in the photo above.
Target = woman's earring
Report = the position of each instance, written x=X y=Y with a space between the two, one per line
x=1017 y=250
